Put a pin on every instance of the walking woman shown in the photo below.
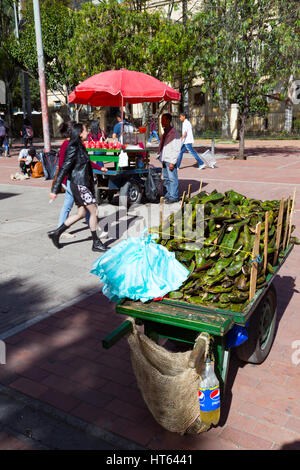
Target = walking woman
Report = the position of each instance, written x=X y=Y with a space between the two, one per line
x=78 y=168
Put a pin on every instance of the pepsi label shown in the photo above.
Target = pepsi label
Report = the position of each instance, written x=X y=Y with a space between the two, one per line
x=209 y=398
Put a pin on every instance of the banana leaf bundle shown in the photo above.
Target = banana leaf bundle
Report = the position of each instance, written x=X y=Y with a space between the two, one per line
x=220 y=262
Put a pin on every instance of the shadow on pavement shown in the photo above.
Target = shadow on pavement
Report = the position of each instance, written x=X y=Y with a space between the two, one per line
x=7 y=195
x=60 y=362
x=15 y=294
x=285 y=288
x=291 y=446
x=184 y=185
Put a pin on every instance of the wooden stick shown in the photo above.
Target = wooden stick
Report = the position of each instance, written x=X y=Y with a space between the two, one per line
x=278 y=232
x=291 y=217
x=182 y=200
x=266 y=241
x=161 y=212
x=189 y=191
x=200 y=188
x=286 y=222
x=254 y=265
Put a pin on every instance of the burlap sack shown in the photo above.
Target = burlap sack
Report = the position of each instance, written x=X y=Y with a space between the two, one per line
x=168 y=385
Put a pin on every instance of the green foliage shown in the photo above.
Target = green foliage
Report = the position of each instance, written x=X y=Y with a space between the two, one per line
x=57 y=28
x=35 y=99
x=113 y=35
x=246 y=47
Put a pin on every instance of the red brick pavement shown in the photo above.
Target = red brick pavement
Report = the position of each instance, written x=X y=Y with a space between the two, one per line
x=60 y=361
x=10 y=442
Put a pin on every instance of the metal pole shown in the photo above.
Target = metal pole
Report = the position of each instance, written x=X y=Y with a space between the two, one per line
x=16 y=21
x=122 y=117
x=21 y=74
x=25 y=91
x=42 y=80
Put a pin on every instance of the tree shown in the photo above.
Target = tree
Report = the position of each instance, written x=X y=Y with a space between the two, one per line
x=57 y=29
x=110 y=36
x=245 y=48
x=8 y=71
x=113 y=35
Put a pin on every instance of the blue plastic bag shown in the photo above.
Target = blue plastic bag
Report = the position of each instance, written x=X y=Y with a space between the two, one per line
x=140 y=269
x=236 y=336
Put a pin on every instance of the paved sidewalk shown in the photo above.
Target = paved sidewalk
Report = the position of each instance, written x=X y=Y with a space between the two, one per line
x=26 y=425
x=59 y=361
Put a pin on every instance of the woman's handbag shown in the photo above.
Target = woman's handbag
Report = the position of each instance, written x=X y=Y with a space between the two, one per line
x=61 y=188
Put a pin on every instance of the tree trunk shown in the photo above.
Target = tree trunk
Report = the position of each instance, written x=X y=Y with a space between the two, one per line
x=288 y=115
x=244 y=117
x=241 y=155
x=9 y=111
x=224 y=107
x=27 y=96
x=146 y=118
x=181 y=91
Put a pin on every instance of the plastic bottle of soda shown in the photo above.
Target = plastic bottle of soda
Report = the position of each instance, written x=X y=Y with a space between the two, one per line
x=209 y=395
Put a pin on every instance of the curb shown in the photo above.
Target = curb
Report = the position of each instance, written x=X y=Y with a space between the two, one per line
x=43 y=316
x=91 y=430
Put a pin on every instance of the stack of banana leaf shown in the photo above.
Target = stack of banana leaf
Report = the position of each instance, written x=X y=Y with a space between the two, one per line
x=220 y=266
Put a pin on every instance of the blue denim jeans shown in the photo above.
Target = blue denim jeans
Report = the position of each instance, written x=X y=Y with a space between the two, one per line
x=154 y=134
x=188 y=148
x=170 y=181
x=68 y=204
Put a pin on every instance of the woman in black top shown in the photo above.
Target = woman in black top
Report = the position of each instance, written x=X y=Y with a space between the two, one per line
x=78 y=168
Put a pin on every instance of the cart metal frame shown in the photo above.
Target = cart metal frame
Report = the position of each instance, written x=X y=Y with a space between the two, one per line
x=120 y=178
x=182 y=321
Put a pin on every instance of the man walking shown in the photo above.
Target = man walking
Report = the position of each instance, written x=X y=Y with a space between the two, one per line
x=169 y=148
x=153 y=130
x=187 y=140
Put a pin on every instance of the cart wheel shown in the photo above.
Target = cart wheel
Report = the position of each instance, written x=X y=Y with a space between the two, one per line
x=103 y=195
x=130 y=193
x=100 y=196
x=110 y=197
x=261 y=330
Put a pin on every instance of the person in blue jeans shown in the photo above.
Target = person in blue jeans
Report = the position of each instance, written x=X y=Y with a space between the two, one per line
x=168 y=150
x=65 y=131
x=187 y=140
x=153 y=130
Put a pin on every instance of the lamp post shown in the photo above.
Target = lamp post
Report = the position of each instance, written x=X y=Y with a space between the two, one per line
x=25 y=91
x=42 y=80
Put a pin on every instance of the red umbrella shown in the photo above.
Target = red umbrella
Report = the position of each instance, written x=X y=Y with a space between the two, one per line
x=115 y=87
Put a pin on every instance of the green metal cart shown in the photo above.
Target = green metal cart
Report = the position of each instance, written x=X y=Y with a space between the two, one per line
x=128 y=182
x=182 y=321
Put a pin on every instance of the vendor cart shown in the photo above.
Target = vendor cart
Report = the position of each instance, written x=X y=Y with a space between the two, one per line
x=128 y=181
x=182 y=321
x=118 y=88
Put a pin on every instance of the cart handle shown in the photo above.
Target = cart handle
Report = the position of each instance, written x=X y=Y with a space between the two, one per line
x=117 y=334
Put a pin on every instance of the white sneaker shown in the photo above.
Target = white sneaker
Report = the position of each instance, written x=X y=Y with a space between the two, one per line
x=201 y=167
